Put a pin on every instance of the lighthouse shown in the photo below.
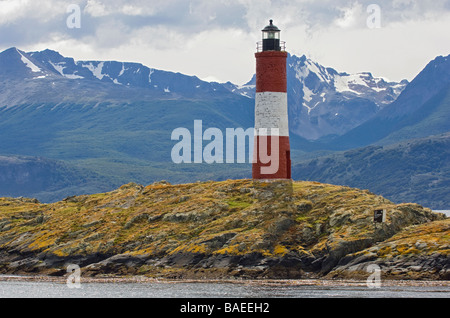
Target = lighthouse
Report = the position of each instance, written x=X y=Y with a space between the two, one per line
x=272 y=153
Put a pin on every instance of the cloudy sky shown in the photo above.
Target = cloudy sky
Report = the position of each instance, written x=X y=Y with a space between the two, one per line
x=215 y=39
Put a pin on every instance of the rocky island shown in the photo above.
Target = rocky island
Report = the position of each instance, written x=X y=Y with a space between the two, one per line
x=224 y=230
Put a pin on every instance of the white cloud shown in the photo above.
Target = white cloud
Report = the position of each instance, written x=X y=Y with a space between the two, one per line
x=42 y=11
x=216 y=39
x=128 y=9
x=96 y=9
x=398 y=50
x=11 y=10
x=350 y=16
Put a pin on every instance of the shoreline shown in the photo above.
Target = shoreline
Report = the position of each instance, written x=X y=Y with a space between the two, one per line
x=262 y=282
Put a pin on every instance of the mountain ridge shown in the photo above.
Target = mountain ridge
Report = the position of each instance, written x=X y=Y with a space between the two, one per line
x=430 y=89
x=314 y=91
x=323 y=101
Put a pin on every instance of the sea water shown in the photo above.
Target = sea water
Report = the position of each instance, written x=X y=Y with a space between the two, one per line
x=26 y=289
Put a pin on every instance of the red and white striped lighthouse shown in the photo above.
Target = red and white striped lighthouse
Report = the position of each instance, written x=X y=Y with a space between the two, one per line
x=272 y=154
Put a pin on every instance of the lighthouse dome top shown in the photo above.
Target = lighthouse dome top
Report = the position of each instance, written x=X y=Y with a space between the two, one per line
x=271 y=27
x=271 y=39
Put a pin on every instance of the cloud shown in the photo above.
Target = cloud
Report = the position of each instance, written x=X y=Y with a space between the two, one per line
x=190 y=36
x=96 y=9
x=400 y=49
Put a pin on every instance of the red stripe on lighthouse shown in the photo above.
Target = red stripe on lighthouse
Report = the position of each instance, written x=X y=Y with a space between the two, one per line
x=271 y=73
x=282 y=162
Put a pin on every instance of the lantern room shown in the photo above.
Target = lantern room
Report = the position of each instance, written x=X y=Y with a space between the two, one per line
x=271 y=38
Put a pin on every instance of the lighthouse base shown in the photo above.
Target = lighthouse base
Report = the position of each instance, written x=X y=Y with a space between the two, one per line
x=271 y=158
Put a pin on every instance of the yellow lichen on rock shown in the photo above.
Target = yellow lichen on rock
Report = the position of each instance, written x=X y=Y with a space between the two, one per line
x=240 y=223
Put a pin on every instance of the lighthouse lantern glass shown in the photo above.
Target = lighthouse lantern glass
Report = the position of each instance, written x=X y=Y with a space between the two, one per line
x=271 y=38
x=271 y=35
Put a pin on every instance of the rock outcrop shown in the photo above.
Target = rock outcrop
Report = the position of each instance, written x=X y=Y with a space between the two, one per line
x=230 y=229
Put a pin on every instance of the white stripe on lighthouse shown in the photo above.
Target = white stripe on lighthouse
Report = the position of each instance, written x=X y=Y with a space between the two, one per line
x=271 y=112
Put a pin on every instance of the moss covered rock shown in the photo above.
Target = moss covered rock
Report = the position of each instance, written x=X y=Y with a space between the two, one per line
x=234 y=228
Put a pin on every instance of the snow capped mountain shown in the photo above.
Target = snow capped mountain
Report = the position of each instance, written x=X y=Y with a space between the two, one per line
x=350 y=85
x=50 y=70
x=16 y=64
x=247 y=90
x=322 y=101
x=422 y=109
x=325 y=102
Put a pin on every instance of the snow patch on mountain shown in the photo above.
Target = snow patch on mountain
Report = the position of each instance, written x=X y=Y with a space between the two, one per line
x=96 y=70
x=150 y=75
x=59 y=67
x=342 y=83
x=318 y=70
x=29 y=64
x=122 y=70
